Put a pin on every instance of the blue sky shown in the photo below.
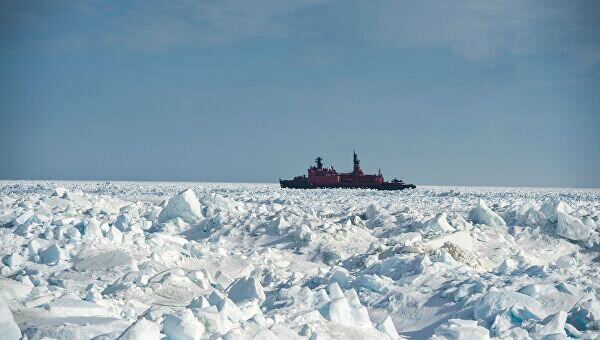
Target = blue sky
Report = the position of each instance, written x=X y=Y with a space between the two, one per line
x=435 y=92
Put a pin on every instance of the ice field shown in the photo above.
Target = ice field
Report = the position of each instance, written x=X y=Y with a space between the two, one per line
x=110 y=260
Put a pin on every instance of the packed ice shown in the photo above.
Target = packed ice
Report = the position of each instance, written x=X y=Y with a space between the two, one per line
x=118 y=260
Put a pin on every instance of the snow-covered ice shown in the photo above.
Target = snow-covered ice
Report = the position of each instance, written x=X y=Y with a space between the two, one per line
x=112 y=260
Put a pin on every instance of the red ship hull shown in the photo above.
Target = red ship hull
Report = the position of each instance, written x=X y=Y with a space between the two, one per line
x=299 y=184
x=319 y=178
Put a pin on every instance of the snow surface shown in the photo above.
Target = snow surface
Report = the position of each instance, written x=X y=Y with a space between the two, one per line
x=110 y=260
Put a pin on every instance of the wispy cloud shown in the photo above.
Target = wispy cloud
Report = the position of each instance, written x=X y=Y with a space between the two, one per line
x=149 y=25
x=484 y=29
x=475 y=30
x=167 y=24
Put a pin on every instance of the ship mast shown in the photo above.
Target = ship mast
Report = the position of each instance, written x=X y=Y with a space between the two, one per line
x=356 y=163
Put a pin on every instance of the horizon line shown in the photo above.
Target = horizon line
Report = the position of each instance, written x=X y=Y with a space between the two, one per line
x=276 y=183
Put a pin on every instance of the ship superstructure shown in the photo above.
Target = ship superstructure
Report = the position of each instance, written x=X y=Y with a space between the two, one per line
x=320 y=177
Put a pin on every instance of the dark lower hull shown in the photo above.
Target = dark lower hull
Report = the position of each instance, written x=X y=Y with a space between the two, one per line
x=291 y=184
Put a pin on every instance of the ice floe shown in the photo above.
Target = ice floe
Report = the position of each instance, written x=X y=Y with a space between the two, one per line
x=253 y=261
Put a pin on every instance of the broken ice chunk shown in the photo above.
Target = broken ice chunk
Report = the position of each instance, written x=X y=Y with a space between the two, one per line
x=185 y=205
x=554 y=325
x=73 y=307
x=92 y=229
x=230 y=311
x=461 y=329
x=11 y=290
x=529 y=215
x=387 y=327
x=438 y=224
x=13 y=260
x=460 y=238
x=303 y=233
x=123 y=222
x=525 y=207
x=50 y=255
x=106 y=260
x=341 y=276
x=142 y=329
x=572 y=228
x=215 y=298
x=339 y=311
x=8 y=327
x=115 y=235
x=495 y=302
x=199 y=302
x=335 y=292
x=183 y=325
x=482 y=214
x=586 y=314
x=245 y=289
x=552 y=208
x=75 y=327
x=222 y=281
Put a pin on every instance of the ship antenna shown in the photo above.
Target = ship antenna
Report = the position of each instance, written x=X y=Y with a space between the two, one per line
x=319 y=162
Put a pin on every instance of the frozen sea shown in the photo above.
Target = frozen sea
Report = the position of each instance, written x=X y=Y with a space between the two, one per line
x=149 y=260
